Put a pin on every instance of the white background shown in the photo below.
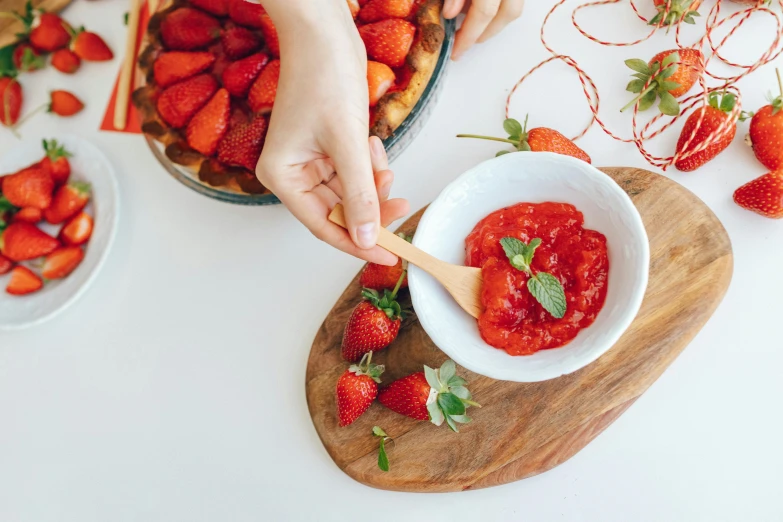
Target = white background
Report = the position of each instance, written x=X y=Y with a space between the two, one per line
x=173 y=390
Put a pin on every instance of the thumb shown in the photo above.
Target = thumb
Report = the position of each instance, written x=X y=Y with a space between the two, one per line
x=360 y=197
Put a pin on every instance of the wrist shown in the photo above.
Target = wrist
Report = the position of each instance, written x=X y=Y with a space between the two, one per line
x=301 y=14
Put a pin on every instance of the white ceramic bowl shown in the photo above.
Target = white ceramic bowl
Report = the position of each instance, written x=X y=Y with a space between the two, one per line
x=87 y=164
x=536 y=178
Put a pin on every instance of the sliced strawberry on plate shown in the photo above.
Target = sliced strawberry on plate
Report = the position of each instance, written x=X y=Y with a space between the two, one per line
x=30 y=187
x=66 y=61
x=388 y=41
x=65 y=103
x=239 y=42
x=177 y=104
x=270 y=35
x=208 y=126
x=246 y=13
x=242 y=144
x=264 y=90
x=62 y=262
x=90 y=47
x=377 y=10
x=23 y=281
x=175 y=66
x=22 y=241
x=356 y=388
x=68 y=201
x=77 y=230
x=56 y=162
x=29 y=215
x=214 y=7
x=240 y=75
x=763 y=195
x=187 y=29
x=5 y=265
x=379 y=78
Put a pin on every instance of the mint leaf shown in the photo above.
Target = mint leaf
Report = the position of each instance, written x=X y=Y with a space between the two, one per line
x=549 y=292
x=383 y=459
x=530 y=250
x=512 y=127
x=451 y=404
x=512 y=246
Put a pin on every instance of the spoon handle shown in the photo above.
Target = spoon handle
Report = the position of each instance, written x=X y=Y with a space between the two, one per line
x=397 y=246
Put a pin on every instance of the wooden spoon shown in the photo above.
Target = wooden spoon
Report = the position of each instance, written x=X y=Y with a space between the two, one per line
x=462 y=282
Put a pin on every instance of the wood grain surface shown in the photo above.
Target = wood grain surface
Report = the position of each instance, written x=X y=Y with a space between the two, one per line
x=9 y=28
x=526 y=429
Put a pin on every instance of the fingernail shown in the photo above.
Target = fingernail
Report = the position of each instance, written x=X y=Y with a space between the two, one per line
x=366 y=235
x=377 y=149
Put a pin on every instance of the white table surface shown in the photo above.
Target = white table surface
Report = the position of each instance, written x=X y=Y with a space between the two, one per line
x=173 y=390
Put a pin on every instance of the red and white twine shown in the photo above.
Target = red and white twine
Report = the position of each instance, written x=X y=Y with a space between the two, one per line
x=709 y=48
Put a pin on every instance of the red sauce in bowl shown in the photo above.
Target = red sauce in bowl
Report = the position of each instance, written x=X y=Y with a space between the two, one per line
x=513 y=320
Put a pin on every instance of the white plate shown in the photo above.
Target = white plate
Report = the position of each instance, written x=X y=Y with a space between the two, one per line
x=535 y=178
x=87 y=164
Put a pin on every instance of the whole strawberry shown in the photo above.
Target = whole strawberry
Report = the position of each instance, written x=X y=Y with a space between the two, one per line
x=374 y=323
x=714 y=116
x=242 y=144
x=388 y=41
x=30 y=187
x=65 y=103
x=763 y=195
x=766 y=132
x=356 y=389
x=377 y=10
x=434 y=395
x=208 y=126
x=381 y=277
x=670 y=74
x=540 y=139
x=175 y=66
x=50 y=34
x=11 y=99
x=66 y=61
x=27 y=59
x=90 y=47
x=56 y=162
x=187 y=29
x=683 y=10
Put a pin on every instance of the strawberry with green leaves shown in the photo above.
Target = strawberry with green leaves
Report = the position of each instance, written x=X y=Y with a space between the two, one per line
x=56 y=162
x=667 y=76
x=357 y=387
x=540 y=139
x=763 y=195
x=27 y=59
x=714 y=116
x=678 y=10
x=47 y=32
x=374 y=323
x=766 y=131
x=435 y=395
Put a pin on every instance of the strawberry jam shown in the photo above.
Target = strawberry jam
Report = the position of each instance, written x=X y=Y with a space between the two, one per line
x=513 y=319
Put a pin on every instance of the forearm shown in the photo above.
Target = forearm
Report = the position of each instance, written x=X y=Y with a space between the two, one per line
x=297 y=14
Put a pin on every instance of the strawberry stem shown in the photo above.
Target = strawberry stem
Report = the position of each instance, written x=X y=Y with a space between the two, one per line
x=399 y=284
x=780 y=81
x=639 y=97
x=27 y=117
x=503 y=140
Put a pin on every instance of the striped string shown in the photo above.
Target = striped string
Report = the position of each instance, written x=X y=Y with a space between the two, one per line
x=697 y=102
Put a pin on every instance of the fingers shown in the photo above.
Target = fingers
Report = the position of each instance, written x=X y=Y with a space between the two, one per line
x=393 y=210
x=480 y=15
x=451 y=8
x=360 y=199
x=509 y=11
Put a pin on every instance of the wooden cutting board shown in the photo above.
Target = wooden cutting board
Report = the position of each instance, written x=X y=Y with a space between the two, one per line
x=525 y=429
x=9 y=27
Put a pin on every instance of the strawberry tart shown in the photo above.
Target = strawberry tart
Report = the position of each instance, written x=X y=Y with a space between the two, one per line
x=211 y=69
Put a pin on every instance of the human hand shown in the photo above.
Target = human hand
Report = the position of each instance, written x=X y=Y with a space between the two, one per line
x=317 y=152
x=485 y=19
